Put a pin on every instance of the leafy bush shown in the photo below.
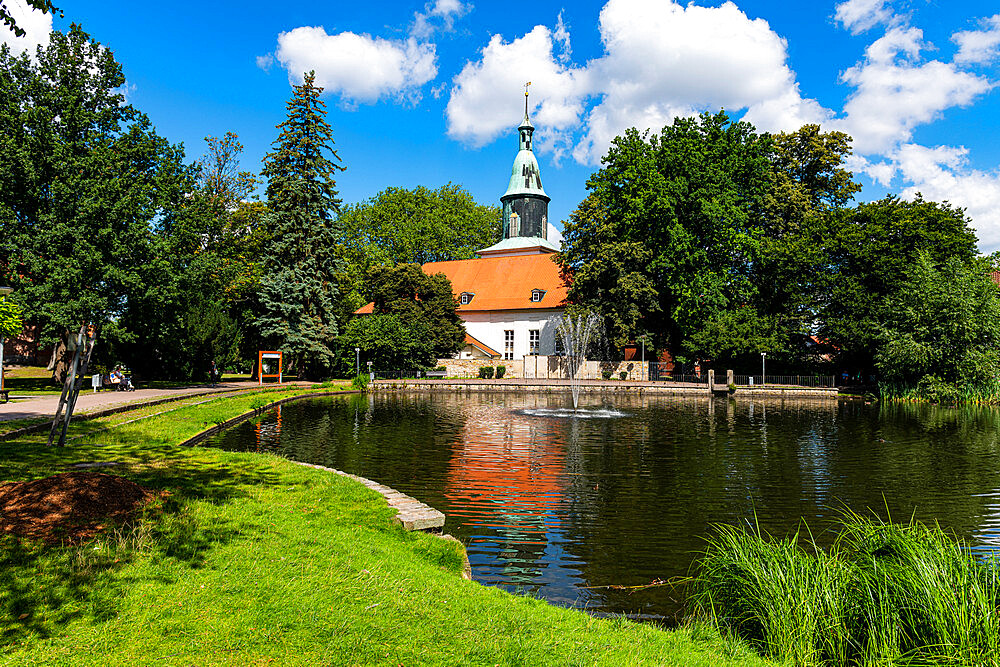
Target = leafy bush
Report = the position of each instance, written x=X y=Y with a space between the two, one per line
x=623 y=375
x=606 y=375
x=360 y=382
x=258 y=402
x=941 y=333
x=934 y=389
x=486 y=372
x=501 y=371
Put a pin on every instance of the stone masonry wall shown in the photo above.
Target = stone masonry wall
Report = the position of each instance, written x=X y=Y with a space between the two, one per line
x=548 y=367
x=469 y=368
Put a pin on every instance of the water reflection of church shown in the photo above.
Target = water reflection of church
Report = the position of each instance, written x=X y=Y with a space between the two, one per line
x=503 y=485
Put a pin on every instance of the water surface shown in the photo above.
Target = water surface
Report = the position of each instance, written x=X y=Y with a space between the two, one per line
x=564 y=507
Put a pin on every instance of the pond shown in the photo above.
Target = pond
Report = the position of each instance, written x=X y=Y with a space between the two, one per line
x=572 y=509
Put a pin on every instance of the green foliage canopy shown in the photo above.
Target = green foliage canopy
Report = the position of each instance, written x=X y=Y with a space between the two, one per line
x=388 y=340
x=407 y=291
x=869 y=252
x=408 y=304
x=666 y=237
x=11 y=323
x=944 y=321
x=85 y=177
x=401 y=226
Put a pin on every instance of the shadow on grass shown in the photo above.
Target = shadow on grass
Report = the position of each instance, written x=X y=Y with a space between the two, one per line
x=45 y=587
x=16 y=384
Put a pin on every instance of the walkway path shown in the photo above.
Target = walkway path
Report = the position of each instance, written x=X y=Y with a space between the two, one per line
x=45 y=406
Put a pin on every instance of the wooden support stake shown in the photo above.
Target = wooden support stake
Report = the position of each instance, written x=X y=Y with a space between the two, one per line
x=71 y=387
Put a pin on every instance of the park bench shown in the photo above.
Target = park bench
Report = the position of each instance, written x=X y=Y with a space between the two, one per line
x=5 y=393
x=435 y=374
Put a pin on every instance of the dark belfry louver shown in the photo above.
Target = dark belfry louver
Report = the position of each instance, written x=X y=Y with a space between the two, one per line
x=525 y=204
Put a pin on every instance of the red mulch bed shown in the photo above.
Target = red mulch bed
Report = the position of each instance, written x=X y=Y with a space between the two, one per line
x=70 y=507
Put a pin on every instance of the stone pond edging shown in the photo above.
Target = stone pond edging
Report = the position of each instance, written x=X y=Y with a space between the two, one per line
x=597 y=386
x=411 y=513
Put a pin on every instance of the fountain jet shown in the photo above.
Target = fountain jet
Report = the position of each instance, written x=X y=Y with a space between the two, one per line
x=576 y=332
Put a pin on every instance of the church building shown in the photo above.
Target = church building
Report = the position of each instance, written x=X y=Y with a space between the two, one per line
x=512 y=297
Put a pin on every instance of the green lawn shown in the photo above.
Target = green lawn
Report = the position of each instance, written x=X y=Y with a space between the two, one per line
x=252 y=559
x=31 y=380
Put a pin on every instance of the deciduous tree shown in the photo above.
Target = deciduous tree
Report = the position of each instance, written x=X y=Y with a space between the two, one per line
x=414 y=226
x=869 y=251
x=420 y=299
x=676 y=220
x=85 y=180
x=943 y=323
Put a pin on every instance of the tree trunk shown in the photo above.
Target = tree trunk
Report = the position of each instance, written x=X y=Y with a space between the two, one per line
x=61 y=359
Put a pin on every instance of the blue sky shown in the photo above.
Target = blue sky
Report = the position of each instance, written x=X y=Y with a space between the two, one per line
x=427 y=93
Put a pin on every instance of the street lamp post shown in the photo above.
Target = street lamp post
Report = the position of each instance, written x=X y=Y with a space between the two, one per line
x=763 y=377
x=357 y=361
x=4 y=291
x=370 y=378
x=643 y=339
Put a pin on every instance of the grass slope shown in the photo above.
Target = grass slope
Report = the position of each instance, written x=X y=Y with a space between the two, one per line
x=252 y=559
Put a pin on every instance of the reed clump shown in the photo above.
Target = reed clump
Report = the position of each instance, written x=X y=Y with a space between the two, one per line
x=883 y=593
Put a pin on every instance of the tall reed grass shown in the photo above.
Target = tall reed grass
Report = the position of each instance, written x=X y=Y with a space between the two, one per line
x=883 y=593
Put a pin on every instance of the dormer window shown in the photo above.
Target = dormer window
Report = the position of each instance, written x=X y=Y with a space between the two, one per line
x=537 y=295
x=466 y=298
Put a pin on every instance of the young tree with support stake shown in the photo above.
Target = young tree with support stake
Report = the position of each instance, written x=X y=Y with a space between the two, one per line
x=299 y=292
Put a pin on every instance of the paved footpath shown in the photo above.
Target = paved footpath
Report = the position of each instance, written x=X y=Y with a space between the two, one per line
x=45 y=406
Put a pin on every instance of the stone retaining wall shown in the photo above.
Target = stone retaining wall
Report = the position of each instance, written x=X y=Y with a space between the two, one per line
x=469 y=368
x=597 y=386
x=542 y=367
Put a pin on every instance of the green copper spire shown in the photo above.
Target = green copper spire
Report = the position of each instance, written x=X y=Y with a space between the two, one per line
x=525 y=204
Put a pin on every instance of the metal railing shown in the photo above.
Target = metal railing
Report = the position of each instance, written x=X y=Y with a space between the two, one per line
x=782 y=380
x=658 y=372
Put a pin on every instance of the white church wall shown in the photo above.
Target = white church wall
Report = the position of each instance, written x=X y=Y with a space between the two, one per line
x=489 y=328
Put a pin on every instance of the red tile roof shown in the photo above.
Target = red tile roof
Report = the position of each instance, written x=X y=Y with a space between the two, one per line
x=501 y=283
x=995 y=275
x=485 y=349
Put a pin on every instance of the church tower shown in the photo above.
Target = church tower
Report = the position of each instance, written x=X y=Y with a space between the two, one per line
x=525 y=204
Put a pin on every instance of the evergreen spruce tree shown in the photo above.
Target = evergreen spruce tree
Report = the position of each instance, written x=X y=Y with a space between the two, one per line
x=299 y=289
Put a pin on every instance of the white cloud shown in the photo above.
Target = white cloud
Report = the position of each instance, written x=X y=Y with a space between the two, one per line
x=861 y=15
x=979 y=46
x=561 y=37
x=661 y=59
x=664 y=59
x=440 y=14
x=265 y=61
x=36 y=25
x=483 y=99
x=894 y=92
x=358 y=68
x=554 y=235
x=943 y=174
